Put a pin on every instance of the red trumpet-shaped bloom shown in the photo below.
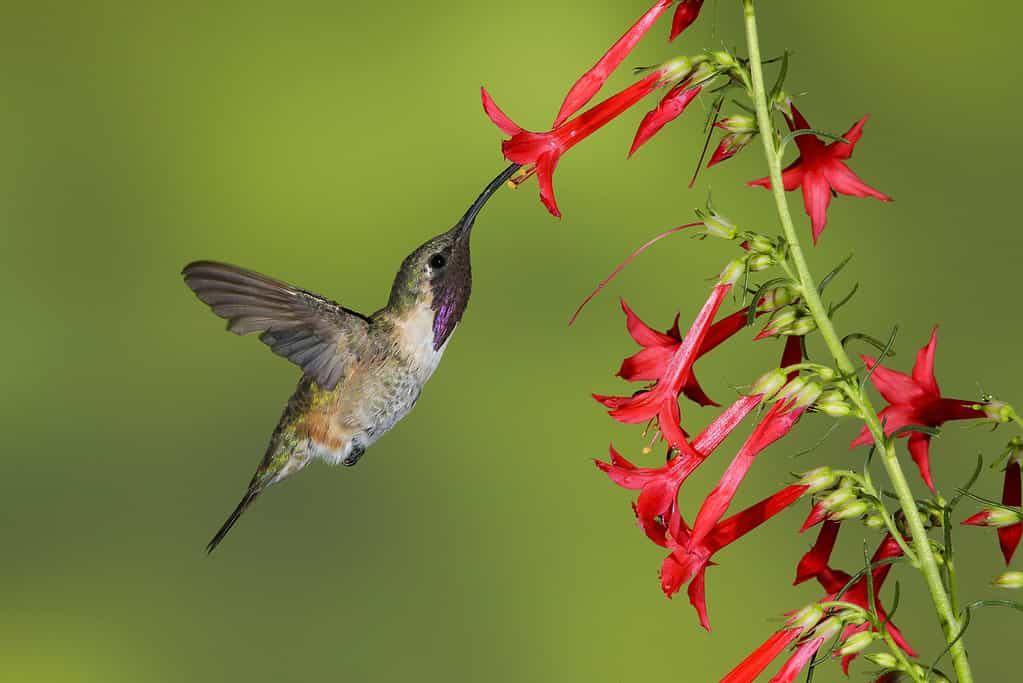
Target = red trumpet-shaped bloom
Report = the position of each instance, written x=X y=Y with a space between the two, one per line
x=833 y=581
x=657 y=506
x=659 y=486
x=668 y=109
x=916 y=400
x=661 y=401
x=1009 y=536
x=591 y=82
x=820 y=169
x=685 y=14
x=544 y=150
x=648 y=365
x=1009 y=529
x=689 y=560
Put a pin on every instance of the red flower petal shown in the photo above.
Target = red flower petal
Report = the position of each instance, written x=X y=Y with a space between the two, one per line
x=776 y=424
x=816 y=559
x=698 y=598
x=896 y=387
x=670 y=107
x=499 y=118
x=1009 y=536
x=798 y=661
x=545 y=166
x=751 y=667
x=919 y=450
x=590 y=82
x=685 y=14
x=923 y=368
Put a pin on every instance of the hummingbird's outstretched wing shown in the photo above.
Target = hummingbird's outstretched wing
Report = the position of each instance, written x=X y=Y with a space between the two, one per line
x=317 y=334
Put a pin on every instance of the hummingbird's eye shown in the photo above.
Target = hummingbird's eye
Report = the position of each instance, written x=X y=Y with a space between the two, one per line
x=437 y=261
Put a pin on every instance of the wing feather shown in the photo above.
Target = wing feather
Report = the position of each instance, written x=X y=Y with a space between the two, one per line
x=318 y=335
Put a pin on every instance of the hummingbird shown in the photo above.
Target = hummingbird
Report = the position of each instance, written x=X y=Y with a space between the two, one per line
x=360 y=374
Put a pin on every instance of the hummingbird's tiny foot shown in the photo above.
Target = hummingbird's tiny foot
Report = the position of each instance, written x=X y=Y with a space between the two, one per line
x=353 y=455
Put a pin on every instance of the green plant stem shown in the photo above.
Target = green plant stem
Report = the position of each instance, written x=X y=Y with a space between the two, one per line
x=925 y=560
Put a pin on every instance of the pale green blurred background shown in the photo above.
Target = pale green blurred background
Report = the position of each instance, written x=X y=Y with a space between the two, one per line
x=320 y=142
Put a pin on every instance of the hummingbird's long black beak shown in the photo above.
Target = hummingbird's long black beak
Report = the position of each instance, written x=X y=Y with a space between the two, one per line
x=465 y=225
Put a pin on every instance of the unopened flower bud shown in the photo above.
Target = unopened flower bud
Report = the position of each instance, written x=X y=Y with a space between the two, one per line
x=800 y=327
x=828 y=628
x=732 y=272
x=857 y=642
x=808 y=394
x=780 y=320
x=758 y=262
x=794 y=386
x=851 y=617
x=769 y=383
x=1008 y=580
x=717 y=225
x=882 y=659
x=850 y=510
x=806 y=618
x=819 y=479
x=704 y=71
x=995 y=517
x=826 y=374
x=724 y=59
x=874 y=522
x=676 y=69
x=838 y=497
x=740 y=123
x=833 y=403
x=776 y=298
x=762 y=244
x=996 y=411
x=783 y=103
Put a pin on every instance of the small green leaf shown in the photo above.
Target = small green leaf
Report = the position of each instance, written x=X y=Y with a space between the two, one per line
x=833 y=308
x=820 y=442
x=884 y=354
x=930 y=431
x=782 y=73
x=745 y=107
x=964 y=489
x=751 y=314
x=857 y=336
x=967 y=613
x=831 y=276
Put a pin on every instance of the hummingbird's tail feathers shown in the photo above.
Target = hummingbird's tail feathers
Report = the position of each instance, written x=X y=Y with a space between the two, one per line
x=317 y=334
x=246 y=501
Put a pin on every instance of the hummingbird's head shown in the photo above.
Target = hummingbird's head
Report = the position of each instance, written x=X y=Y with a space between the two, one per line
x=440 y=272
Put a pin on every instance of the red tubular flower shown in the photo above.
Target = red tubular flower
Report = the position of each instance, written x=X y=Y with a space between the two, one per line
x=815 y=561
x=820 y=169
x=916 y=400
x=543 y=150
x=689 y=561
x=833 y=581
x=661 y=400
x=751 y=667
x=685 y=14
x=1009 y=536
x=648 y=365
x=1007 y=523
x=778 y=422
x=590 y=82
x=659 y=486
x=668 y=109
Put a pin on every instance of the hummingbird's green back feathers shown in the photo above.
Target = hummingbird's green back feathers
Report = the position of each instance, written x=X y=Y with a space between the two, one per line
x=317 y=334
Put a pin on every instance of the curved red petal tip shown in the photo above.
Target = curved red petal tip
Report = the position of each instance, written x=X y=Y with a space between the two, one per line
x=499 y=118
x=978 y=519
x=686 y=13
